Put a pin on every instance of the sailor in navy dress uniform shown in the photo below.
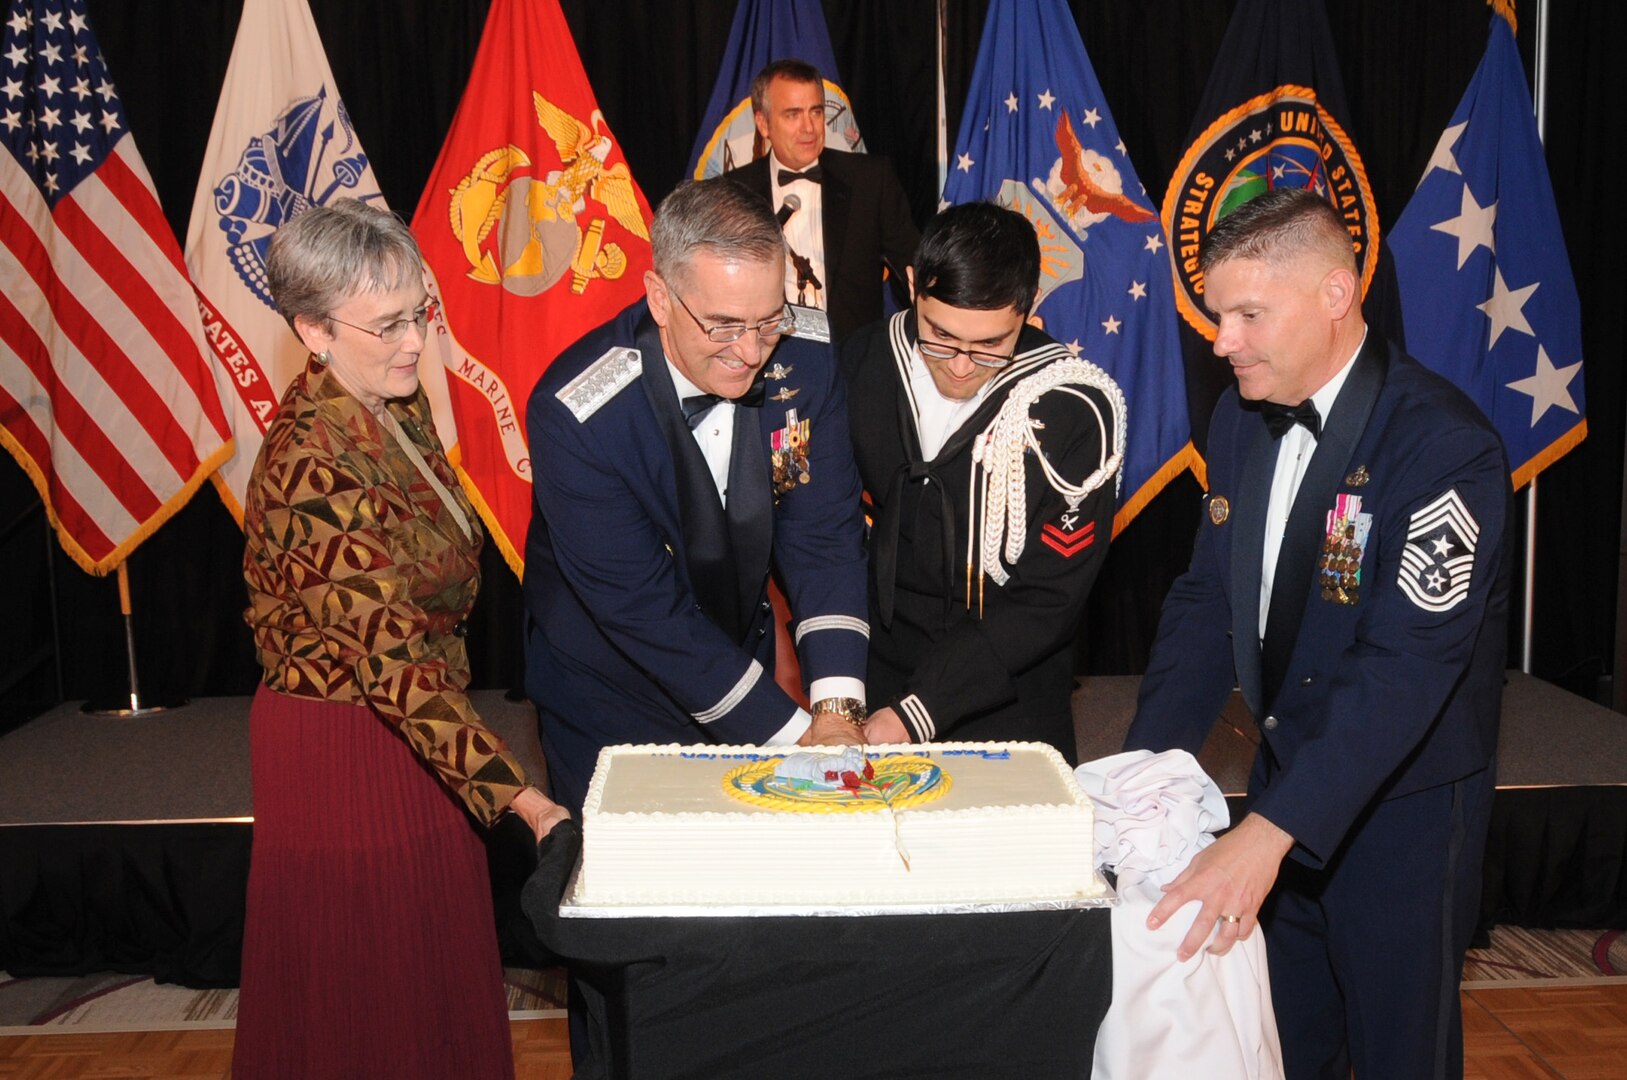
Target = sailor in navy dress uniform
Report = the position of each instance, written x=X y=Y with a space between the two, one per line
x=656 y=522
x=1351 y=577
x=992 y=456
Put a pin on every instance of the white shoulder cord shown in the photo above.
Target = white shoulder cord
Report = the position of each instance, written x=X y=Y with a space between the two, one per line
x=998 y=455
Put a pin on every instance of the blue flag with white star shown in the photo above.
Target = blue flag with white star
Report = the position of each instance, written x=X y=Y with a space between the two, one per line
x=764 y=31
x=1486 y=286
x=1036 y=136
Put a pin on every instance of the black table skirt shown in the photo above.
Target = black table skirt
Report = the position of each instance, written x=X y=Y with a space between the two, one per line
x=1014 y=994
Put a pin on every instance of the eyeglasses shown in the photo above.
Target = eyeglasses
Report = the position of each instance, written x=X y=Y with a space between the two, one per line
x=728 y=332
x=949 y=352
x=396 y=329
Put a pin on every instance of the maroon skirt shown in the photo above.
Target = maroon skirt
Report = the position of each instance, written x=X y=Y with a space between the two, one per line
x=369 y=948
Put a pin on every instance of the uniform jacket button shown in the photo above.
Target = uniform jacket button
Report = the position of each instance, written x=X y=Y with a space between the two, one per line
x=1269 y=723
x=1306 y=681
x=461 y=629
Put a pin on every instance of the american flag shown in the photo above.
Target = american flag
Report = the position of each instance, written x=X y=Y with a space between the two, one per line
x=107 y=398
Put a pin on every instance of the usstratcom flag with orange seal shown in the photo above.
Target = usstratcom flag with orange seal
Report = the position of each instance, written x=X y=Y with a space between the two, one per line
x=535 y=232
x=1273 y=115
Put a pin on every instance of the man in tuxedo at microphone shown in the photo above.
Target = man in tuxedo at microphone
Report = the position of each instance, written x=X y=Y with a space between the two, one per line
x=1350 y=577
x=846 y=219
x=673 y=466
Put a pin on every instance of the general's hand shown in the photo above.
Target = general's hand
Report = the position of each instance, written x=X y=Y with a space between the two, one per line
x=538 y=811
x=832 y=729
x=1231 y=877
x=885 y=726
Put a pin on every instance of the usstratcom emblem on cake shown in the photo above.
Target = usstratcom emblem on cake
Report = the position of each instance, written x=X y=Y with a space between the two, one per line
x=845 y=783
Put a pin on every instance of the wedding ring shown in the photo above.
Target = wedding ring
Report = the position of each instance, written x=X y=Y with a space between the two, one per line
x=1231 y=918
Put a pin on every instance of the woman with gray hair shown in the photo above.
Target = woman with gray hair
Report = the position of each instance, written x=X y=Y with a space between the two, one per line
x=370 y=947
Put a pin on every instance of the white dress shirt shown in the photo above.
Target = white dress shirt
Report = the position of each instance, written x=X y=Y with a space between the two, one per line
x=1293 y=459
x=804 y=230
x=715 y=436
x=937 y=417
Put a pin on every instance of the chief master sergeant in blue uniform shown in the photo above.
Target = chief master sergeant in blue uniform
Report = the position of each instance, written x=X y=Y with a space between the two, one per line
x=1351 y=578
x=674 y=463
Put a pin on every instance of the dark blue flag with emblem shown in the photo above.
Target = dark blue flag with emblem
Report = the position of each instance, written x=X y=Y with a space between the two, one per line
x=1272 y=115
x=1486 y=287
x=764 y=31
x=1036 y=136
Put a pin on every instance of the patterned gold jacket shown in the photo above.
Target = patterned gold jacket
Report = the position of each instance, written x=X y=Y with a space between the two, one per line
x=359 y=580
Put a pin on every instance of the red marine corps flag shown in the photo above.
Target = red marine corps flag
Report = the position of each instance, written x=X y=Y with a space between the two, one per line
x=536 y=232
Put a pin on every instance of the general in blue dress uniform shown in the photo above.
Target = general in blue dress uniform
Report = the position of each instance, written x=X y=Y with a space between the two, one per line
x=681 y=451
x=1351 y=577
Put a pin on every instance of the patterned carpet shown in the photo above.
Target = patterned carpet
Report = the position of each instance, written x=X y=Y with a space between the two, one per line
x=111 y=1002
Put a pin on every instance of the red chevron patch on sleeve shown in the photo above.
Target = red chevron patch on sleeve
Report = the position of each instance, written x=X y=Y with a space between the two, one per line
x=1068 y=544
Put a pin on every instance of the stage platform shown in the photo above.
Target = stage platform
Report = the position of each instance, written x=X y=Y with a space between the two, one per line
x=124 y=843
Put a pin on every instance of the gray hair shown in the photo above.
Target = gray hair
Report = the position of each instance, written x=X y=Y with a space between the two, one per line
x=330 y=253
x=789 y=69
x=1277 y=227
x=718 y=216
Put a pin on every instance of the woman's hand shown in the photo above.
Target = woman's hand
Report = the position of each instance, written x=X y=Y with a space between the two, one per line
x=538 y=811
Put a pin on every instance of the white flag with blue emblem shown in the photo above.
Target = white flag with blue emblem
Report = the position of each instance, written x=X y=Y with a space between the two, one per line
x=1486 y=287
x=281 y=143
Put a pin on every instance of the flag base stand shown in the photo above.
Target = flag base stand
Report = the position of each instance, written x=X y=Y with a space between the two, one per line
x=133 y=707
x=131 y=711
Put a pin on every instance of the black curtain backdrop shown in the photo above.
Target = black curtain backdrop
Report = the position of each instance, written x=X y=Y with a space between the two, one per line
x=401 y=65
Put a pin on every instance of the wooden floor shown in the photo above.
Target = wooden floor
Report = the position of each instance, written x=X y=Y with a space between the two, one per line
x=1571 y=1032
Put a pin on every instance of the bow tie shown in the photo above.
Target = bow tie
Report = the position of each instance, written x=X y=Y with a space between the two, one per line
x=816 y=174
x=1279 y=418
x=698 y=405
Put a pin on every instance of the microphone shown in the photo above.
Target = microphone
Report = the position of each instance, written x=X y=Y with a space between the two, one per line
x=791 y=205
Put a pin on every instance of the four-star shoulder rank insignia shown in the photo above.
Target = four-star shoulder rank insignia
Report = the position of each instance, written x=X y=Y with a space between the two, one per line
x=600 y=381
x=1439 y=556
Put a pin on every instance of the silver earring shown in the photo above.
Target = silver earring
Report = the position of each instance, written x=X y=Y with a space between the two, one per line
x=324 y=358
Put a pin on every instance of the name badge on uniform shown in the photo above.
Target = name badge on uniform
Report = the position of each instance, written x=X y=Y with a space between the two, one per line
x=788 y=454
x=1338 y=569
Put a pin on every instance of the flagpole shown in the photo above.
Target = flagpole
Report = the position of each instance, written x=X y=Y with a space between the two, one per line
x=943 y=108
x=1539 y=104
x=136 y=707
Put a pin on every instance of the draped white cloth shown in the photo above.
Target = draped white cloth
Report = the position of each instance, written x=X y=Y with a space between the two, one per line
x=1210 y=1016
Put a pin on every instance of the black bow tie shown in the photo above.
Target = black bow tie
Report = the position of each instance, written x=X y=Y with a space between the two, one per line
x=1279 y=418
x=816 y=174
x=697 y=406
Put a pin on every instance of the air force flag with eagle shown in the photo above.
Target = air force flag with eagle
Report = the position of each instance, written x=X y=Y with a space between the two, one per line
x=1486 y=287
x=1036 y=136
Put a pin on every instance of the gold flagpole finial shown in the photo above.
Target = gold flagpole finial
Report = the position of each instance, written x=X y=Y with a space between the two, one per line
x=1505 y=8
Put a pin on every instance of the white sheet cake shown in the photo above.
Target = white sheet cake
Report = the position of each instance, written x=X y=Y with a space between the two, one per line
x=939 y=823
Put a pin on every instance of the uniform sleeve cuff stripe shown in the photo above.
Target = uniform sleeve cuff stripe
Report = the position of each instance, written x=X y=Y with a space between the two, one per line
x=832 y=622
x=919 y=720
x=733 y=697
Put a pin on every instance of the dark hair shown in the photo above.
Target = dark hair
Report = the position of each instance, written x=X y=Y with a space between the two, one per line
x=979 y=256
x=717 y=215
x=797 y=71
x=1279 y=226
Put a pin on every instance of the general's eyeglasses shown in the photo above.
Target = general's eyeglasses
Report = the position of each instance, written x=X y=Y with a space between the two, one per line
x=729 y=332
x=396 y=329
x=949 y=352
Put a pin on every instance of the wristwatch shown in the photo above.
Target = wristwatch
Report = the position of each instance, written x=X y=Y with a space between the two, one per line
x=850 y=709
